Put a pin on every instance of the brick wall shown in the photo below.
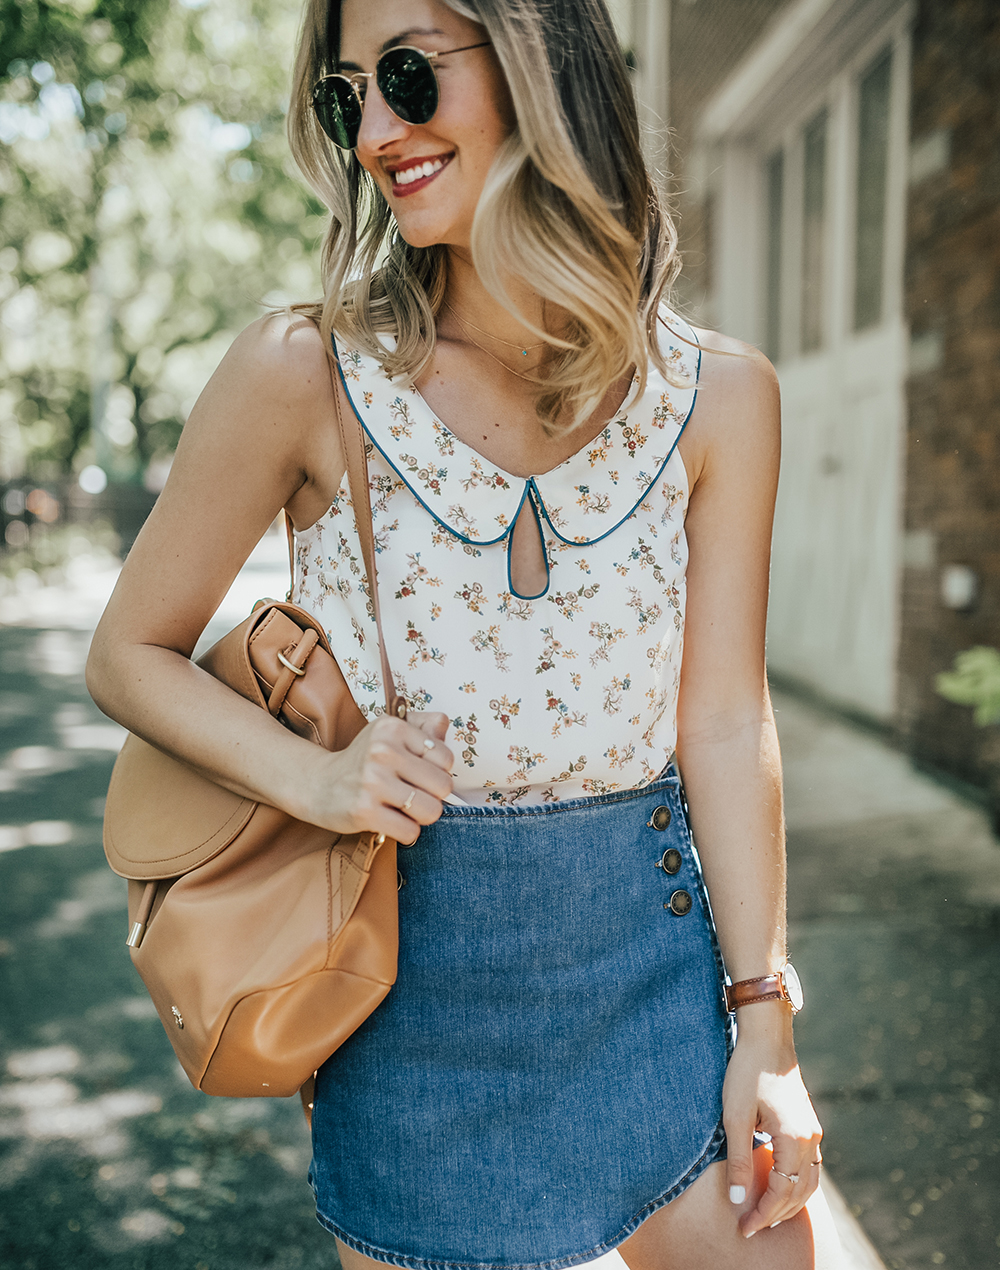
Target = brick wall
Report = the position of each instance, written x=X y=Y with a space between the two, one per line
x=953 y=305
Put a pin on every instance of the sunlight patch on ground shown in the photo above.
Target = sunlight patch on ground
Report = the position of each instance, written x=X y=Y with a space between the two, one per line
x=147 y=1224
x=40 y=833
x=94 y=736
x=52 y=1108
x=51 y=1061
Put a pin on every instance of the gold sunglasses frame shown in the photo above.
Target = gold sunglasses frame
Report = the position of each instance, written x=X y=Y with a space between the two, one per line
x=431 y=58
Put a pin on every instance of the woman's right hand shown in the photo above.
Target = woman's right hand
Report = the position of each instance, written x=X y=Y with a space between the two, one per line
x=392 y=764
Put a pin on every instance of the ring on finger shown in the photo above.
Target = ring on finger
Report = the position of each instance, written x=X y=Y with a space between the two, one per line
x=792 y=1177
x=409 y=802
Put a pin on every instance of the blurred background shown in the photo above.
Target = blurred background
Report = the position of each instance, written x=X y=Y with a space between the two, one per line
x=835 y=169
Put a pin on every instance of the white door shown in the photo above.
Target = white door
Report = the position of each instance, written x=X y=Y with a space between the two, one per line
x=810 y=178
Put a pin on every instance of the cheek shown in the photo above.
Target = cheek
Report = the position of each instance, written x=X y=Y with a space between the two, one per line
x=487 y=131
x=503 y=105
x=373 y=170
x=489 y=116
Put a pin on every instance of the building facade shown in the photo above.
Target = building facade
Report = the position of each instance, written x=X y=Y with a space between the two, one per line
x=836 y=172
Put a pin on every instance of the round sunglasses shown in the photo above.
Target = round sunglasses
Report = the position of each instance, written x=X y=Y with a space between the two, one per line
x=406 y=80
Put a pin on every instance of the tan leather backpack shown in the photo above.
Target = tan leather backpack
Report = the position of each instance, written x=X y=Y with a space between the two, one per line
x=263 y=941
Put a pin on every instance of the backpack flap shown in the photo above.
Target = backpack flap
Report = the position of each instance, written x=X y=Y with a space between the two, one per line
x=163 y=818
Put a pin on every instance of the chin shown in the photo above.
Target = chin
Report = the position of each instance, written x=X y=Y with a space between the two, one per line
x=430 y=236
x=417 y=238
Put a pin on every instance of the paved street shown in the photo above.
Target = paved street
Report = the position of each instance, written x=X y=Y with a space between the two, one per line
x=895 y=913
x=110 y=1161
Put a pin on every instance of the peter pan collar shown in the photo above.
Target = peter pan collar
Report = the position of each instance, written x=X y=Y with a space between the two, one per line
x=583 y=499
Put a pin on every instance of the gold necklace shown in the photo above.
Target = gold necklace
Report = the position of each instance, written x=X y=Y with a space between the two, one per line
x=510 y=369
x=524 y=349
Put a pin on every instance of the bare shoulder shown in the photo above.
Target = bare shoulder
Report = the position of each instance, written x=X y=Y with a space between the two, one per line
x=263 y=428
x=733 y=371
x=283 y=355
x=271 y=400
x=737 y=418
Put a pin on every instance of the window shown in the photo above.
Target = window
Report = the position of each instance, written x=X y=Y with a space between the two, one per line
x=827 y=261
x=775 y=200
x=873 y=155
x=813 y=227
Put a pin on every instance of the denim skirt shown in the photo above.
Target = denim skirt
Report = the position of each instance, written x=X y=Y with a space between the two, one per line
x=547 y=1070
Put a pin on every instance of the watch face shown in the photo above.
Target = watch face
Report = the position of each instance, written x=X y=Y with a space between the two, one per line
x=793 y=986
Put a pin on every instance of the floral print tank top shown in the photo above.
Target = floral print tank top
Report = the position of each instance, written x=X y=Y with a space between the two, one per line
x=560 y=695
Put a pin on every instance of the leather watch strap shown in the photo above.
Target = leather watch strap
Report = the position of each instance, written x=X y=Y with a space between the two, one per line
x=353 y=441
x=747 y=991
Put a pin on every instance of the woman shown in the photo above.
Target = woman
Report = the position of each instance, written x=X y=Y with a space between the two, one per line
x=552 y=1075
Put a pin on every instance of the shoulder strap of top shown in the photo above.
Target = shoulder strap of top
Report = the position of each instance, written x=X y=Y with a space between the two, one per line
x=353 y=442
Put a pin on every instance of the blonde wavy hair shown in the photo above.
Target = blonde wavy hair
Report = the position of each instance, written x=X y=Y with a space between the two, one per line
x=569 y=207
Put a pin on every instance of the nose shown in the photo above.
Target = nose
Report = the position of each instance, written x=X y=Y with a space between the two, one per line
x=379 y=126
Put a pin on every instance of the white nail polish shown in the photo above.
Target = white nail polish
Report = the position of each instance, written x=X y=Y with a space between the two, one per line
x=751 y=1234
x=775 y=1223
x=737 y=1194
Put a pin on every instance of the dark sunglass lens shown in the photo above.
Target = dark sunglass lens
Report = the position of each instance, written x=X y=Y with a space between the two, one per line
x=407 y=82
x=338 y=111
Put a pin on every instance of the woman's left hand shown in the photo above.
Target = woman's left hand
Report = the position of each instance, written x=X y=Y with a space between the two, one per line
x=763 y=1092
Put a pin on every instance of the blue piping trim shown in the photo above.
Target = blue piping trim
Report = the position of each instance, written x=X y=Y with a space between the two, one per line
x=529 y=483
x=472 y=542
x=541 y=538
x=589 y=542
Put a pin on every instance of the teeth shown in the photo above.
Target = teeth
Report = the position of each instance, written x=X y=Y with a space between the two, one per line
x=418 y=172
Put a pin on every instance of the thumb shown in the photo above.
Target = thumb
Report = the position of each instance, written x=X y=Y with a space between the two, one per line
x=739 y=1162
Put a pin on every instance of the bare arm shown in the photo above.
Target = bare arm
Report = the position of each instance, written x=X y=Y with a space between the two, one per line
x=729 y=759
x=262 y=436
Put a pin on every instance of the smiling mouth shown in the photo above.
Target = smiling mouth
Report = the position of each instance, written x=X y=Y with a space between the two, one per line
x=413 y=177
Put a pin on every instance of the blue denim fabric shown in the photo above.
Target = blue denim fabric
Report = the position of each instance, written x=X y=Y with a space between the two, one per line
x=547 y=1070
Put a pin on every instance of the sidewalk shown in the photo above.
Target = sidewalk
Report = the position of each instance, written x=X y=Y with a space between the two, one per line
x=109 y=1160
x=894 y=904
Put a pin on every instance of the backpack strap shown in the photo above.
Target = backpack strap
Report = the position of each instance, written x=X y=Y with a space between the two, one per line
x=353 y=441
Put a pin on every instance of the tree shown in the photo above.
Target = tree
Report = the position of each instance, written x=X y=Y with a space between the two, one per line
x=147 y=205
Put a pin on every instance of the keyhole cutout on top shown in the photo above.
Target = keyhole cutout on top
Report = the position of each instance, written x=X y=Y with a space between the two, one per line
x=527 y=563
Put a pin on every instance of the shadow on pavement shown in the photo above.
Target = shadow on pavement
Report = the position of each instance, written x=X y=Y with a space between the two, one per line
x=109 y=1160
x=894 y=906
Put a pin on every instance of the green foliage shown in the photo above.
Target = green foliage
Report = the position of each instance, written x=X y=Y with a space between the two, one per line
x=147 y=205
x=974 y=681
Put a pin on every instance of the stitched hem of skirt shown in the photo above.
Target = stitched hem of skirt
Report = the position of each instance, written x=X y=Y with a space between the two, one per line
x=585 y=801
x=709 y=1156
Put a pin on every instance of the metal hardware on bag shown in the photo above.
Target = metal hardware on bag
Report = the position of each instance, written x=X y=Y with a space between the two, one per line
x=142 y=916
x=379 y=840
x=296 y=670
x=178 y=1018
x=400 y=881
x=401 y=710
